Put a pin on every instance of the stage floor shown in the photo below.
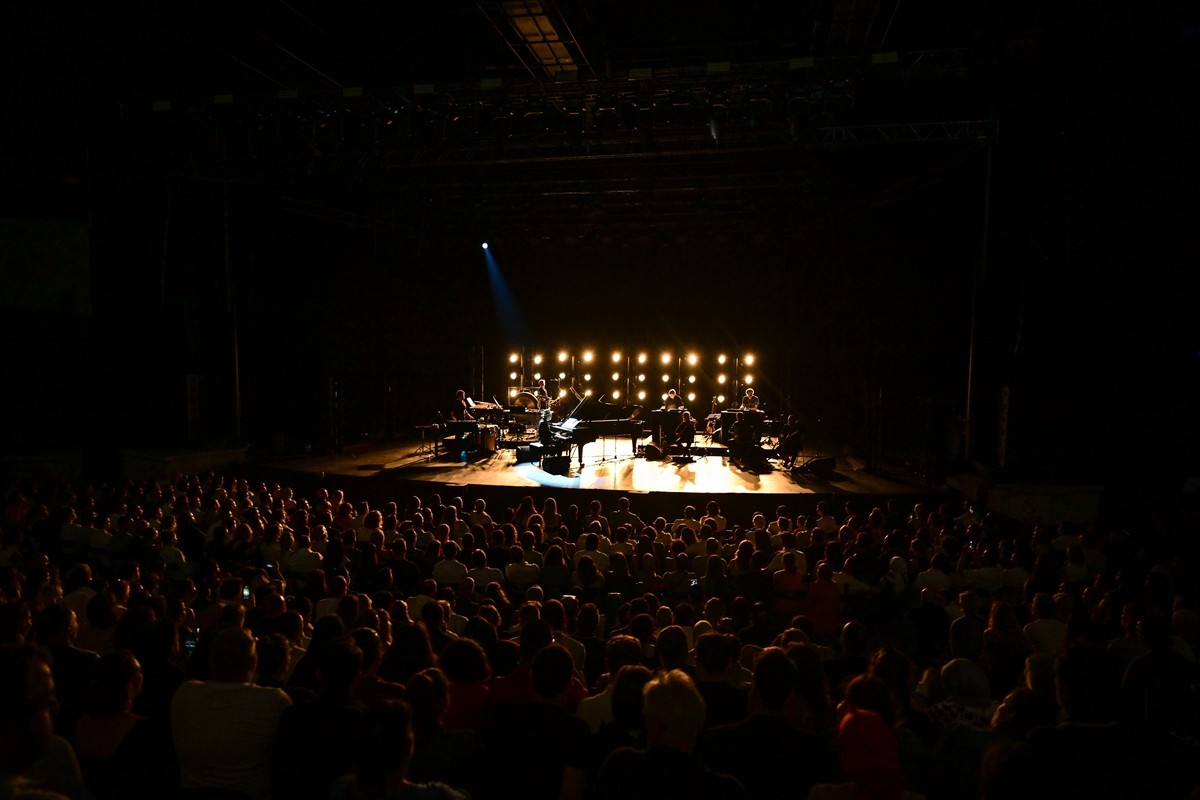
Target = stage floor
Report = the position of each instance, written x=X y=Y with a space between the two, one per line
x=609 y=464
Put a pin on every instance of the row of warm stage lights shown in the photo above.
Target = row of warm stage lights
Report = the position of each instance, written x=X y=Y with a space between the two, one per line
x=667 y=360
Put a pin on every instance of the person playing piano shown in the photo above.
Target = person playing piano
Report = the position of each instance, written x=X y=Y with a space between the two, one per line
x=551 y=441
x=672 y=401
x=749 y=400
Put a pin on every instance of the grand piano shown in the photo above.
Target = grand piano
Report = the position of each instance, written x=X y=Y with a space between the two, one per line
x=595 y=418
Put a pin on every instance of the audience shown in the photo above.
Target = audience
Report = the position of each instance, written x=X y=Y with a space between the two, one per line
x=578 y=656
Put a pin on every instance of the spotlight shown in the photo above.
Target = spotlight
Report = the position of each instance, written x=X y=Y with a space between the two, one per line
x=562 y=376
x=721 y=358
x=749 y=380
x=720 y=398
x=692 y=359
x=666 y=377
x=616 y=358
x=537 y=359
x=512 y=376
x=537 y=376
x=666 y=358
x=587 y=376
x=691 y=397
x=642 y=395
x=562 y=355
x=514 y=358
x=485 y=245
x=748 y=360
x=616 y=376
x=641 y=377
x=615 y=394
x=512 y=392
x=641 y=358
x=691 y=378
x=721 y=378
x=587 y=356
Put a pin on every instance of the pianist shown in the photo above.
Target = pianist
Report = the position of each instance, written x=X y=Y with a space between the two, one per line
x=672 y=401
x=550 y=441
x=750 y=401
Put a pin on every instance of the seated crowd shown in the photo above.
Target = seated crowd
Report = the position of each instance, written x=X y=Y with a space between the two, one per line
x=207 y=638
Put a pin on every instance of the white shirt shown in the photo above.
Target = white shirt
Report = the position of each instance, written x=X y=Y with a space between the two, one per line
x=225 y=735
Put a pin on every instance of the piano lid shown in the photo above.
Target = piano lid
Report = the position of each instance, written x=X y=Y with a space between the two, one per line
x=590 y=409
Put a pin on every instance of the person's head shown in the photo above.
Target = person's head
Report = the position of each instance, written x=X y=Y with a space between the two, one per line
x=384 y=747
x=672 y=647
x=234 y=657
x=674 y=711
x=463 y=661
x=553 y=669
x=27 y=704
x=965 y=683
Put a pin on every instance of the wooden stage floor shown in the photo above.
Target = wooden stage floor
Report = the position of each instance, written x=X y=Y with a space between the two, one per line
x=609 y=465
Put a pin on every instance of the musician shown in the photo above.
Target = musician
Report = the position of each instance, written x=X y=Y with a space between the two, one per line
x=543 y=397
x=742 y=437
x=685 y=433
x=790 y=441
x=672 y=401
x=548 y=438
x=750 y=400
x=458 y=408
x=460 y=412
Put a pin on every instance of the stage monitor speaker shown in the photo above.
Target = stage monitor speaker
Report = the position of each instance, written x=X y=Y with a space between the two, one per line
x=557 y=465
x=528 y=453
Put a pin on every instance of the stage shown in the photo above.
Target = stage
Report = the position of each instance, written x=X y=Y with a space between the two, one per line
x=611 y=466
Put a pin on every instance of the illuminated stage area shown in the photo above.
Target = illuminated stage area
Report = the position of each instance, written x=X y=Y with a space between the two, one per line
x=664 y=485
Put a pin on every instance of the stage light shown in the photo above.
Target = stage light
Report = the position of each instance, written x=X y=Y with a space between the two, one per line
x=616 y=376
x=587 y=376
x=749 y=380
x=748 y=360
x=721 y=378
x=537 y=359
x=691 y=378
x=587 y=356
x=562 y=355
x=537 y=376
x=514 y=358
x=615 y=394
x=562 y=376
x=616 y=358
x=691 y=397
x=587 y=392
x=641 y=377
x=692 y=359
x=562 y=392
x=642 y=395
x=721 y=358
x=512 y=376
x=512 y=392
x=485 y=245
x=641 y=358
x=721 y=399
x=666 y=358
x=666 y=377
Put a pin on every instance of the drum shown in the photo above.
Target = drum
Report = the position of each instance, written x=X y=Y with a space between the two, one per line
x=488 y=436
x=526 y=400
